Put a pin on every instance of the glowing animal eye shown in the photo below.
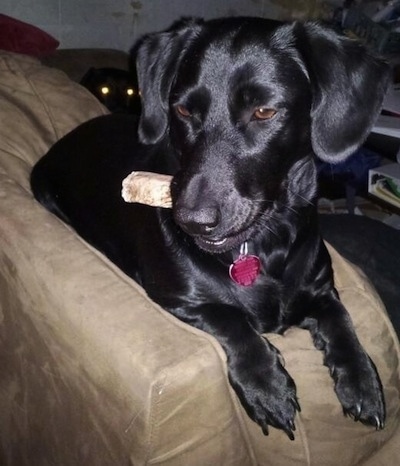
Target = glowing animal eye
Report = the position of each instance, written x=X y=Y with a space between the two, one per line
x=105 y=90
x=183 y=111
x=264 y=113
x=130 y=91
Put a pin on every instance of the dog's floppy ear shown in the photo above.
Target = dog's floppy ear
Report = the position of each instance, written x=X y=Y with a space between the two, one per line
x=348 y=85
x=157 y=59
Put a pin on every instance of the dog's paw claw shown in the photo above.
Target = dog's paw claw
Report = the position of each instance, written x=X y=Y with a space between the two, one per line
x=269 y=397
x=290 y=430
x=379 y=423
x=297 y=405
x=265 y=429
x=356 y=413
x=361 y=396
x=289 y=433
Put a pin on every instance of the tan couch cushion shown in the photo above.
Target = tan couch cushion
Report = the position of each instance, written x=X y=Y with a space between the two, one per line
x=95 y=373
x=38 y=106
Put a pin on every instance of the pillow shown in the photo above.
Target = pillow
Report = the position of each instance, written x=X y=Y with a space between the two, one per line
x=20 y=37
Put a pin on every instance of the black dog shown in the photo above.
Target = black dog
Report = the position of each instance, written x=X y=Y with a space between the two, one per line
x=116 y=89
x=235 y=109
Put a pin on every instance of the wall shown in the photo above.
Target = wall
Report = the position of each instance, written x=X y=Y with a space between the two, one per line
x=118 y=23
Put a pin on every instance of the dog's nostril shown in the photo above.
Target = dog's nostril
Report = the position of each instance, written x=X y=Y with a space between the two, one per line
x=198 y=221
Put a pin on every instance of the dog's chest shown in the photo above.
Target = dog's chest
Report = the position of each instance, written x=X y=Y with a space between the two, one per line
x=264 y=301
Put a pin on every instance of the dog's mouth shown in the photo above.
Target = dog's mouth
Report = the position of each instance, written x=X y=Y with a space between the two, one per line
x=210 y=245
x=225 y=244
x=228 y=238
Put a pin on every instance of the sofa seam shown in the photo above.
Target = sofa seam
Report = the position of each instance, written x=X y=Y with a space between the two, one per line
x=37 y=94
x=158 y=385
x=153 y=408
x=42 y=102
x=304 y=439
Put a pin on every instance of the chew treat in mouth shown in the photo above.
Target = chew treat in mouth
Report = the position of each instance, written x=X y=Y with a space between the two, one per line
x=147 y=188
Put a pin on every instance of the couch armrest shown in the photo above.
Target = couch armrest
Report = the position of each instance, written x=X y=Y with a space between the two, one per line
x=104 y=372
x=84 y=347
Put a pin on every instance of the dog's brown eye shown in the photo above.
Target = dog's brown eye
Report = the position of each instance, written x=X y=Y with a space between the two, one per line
x=264 y=113
x=183 y=111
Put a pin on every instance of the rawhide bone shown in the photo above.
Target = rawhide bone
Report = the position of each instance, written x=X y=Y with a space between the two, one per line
x=147 y=188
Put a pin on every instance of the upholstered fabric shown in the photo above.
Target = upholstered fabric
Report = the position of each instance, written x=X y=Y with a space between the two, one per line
x=76 y=62
x=94 y=373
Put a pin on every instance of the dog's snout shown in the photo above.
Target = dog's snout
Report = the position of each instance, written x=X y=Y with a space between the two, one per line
x=196 y=208
x=201 y=221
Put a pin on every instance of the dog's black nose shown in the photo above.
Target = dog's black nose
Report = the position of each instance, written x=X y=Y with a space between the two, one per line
x=200 y=221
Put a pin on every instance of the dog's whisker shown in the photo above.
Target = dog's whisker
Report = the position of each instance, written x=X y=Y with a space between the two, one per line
x=262 y=222
x=308 y=201
x=281 y=204
x=291 y=208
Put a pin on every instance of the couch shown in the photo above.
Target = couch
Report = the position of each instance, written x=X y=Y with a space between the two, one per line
x=94 y=373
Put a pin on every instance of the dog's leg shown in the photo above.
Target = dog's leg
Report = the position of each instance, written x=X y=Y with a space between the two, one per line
x=357 y=383
x=265 y=389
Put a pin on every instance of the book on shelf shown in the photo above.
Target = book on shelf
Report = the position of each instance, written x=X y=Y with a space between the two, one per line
x=384 y=183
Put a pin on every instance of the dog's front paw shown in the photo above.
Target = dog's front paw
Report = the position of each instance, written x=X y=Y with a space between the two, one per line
x=359 y=390
x=268 y=394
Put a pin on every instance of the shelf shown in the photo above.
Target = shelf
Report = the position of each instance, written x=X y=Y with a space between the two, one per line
x=387 y=125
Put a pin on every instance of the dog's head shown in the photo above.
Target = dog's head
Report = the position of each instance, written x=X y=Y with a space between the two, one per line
x=115 y=88
x=245 y=103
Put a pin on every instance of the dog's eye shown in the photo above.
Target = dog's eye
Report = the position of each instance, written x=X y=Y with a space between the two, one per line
x=105 y=90
x=183 y=111
x=130 y=91
x=264 y=113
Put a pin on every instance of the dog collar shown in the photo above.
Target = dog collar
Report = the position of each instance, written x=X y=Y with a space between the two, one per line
x=246 y=268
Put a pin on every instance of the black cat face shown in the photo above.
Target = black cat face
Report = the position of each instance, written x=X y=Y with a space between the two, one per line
x=116 y=89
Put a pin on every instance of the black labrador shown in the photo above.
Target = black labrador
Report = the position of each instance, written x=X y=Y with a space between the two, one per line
x=235 y=109
x=116 y=89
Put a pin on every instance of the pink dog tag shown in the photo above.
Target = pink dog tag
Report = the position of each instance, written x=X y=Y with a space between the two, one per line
x=246 y=268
